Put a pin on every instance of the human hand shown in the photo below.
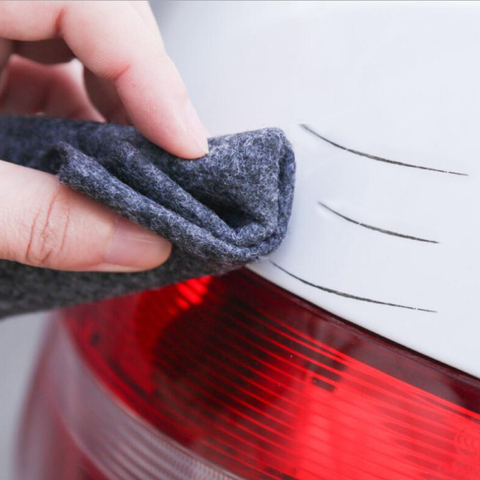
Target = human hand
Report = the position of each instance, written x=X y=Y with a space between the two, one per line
x=128 y=79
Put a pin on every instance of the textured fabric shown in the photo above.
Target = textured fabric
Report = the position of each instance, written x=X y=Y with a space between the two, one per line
x=220 y=212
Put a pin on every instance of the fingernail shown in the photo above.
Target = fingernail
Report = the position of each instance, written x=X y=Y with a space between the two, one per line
x=134 y=248
x=195 y=127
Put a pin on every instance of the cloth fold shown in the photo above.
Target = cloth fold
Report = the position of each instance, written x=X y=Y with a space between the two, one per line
x=220 y=212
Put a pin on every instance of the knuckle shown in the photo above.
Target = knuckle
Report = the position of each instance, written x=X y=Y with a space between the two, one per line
x=47 y=239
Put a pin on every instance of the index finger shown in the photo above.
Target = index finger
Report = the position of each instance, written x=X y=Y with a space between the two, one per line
x=114 y=42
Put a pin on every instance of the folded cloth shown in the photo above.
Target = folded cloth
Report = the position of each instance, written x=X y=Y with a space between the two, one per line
x=220 y=212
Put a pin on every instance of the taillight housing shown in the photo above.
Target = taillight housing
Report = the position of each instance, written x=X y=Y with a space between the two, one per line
x=232 y=377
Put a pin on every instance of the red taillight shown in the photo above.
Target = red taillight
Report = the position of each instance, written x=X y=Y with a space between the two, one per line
x=233 y=377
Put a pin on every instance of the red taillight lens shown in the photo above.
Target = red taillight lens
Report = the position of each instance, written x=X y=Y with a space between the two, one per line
x=232 y=376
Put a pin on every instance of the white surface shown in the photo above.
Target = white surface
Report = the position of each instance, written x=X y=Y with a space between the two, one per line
x=394 y=80
x=19 y=338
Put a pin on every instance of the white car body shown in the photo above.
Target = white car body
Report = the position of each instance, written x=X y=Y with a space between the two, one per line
x=385 y=226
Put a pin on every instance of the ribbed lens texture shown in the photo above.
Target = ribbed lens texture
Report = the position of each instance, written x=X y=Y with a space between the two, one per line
x=232 y=376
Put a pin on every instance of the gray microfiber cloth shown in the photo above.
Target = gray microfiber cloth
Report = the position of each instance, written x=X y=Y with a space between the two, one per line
x=220 y=212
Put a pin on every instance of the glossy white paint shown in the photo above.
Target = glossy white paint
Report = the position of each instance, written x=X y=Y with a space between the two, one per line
x=395 y=80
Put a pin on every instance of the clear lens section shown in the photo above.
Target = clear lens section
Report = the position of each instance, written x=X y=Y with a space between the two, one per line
x=231 y=376
x=84 y=433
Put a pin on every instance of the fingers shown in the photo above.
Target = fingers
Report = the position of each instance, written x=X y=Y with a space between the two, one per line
x=117 y=42
x=145 y=78
x=57 y=91
x=105 y=98
x=102 y=92
x=46 y=224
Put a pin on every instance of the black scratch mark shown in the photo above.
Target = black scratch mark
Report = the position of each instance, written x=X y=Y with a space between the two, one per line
x=379 y=159
x=349 y=295
x=377 y=229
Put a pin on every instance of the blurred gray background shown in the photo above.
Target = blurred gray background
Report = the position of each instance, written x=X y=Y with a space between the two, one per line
x=19 y=340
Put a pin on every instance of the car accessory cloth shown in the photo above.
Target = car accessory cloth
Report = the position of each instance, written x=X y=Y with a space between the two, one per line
x=220 y=212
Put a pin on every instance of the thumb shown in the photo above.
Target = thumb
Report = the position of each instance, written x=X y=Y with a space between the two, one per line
x=46 y=224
